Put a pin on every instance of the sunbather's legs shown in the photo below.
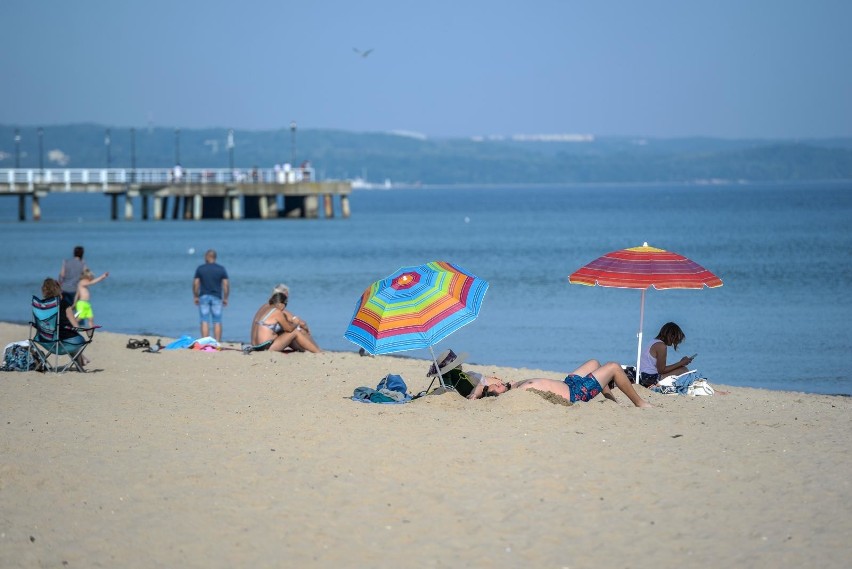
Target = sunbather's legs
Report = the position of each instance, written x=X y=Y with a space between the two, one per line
x=612 y=371
x=304 y=342
x=282 y=341
x=587 y=368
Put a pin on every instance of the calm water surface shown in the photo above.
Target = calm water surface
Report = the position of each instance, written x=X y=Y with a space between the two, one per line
x=783 y=251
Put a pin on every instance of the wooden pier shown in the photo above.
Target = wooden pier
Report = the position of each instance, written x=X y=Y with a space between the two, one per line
x=185 y=193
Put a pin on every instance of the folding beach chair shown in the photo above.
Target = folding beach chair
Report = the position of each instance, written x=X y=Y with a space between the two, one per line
x=45 y=338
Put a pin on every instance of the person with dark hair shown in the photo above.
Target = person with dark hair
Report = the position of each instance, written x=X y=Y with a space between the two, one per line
x=69 y=274
x=583 y=384
x=652 y=362
x=210 y=288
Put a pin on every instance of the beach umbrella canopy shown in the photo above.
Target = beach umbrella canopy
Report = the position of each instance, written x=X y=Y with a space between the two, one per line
x=415 y=308
x=641 y=268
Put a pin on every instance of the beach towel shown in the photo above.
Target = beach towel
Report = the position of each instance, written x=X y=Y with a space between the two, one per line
x=205 y=344
x=182 y=342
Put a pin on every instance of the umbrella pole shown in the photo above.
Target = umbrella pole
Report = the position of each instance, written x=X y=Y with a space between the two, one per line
x=639 y=346
x=437 y=368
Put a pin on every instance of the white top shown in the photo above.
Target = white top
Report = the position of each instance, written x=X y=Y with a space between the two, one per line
x=647 y=362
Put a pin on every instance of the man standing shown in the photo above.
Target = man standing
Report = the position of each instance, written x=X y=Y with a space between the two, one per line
x=69 y=274
x=210 y=288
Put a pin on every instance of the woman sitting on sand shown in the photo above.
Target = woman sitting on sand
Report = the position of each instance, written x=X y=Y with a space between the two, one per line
x=273 y=322
x=50 y=288
x=582 y=384
x=652 y=362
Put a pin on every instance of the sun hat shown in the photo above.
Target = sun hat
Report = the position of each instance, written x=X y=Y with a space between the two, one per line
x=281 y=288
x=446 y=361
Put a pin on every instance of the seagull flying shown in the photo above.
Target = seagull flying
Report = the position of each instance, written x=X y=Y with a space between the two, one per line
x=362 y=53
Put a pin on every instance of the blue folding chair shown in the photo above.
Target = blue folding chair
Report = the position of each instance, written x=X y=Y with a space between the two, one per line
x=46 y=338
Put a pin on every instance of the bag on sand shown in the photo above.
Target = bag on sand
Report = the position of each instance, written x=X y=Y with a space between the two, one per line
x=17 y=357
x=700 y=387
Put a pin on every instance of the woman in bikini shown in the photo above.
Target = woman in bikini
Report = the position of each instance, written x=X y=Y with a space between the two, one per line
x=273 y=322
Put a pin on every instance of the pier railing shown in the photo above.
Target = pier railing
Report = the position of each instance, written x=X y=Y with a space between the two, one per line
x=17 y=180
x=201 y=193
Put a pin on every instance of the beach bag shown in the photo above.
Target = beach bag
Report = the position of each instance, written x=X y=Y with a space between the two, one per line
x=700 y=387
x=17 y=357
x=393 y=382
x=391 y=389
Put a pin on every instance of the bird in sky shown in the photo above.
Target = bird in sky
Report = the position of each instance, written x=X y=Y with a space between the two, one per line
x=364 y=53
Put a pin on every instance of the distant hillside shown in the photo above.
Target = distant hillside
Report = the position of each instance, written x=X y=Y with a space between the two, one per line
x=408 y=159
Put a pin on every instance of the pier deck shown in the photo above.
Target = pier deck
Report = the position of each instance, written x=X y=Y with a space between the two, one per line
x=199 y=193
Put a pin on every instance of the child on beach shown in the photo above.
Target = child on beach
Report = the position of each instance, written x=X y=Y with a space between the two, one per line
x=82 y=305
x=652 y=362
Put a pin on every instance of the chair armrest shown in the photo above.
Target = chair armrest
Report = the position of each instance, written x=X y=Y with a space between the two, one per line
x=90 y=331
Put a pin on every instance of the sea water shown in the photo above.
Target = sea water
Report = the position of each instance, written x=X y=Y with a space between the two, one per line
x=784 y=252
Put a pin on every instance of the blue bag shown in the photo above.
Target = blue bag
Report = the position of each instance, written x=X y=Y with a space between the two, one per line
x=394 y=383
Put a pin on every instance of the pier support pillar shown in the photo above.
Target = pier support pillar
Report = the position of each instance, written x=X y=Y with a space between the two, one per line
x=236 y=211
x=175 y=207
x=311 y=207
x=329 y=206
x=144 y=199
x=187 y=207
x=344 y=206
x=113 y=207
x=226 y=207
x=197 y=207
x=158 y=208
x=273 y=206
x=263 y=205
x=22 y=207
x=128 y=207
x=36 y=208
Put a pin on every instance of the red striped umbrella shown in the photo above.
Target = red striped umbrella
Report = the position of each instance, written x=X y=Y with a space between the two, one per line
x=641 y=268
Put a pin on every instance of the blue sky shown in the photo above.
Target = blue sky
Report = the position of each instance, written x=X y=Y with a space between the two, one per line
x=660 y=68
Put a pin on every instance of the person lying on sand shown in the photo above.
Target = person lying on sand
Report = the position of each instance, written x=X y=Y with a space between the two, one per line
x=582 y=384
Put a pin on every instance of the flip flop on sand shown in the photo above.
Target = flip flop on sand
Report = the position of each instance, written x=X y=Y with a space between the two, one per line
x=155 y=349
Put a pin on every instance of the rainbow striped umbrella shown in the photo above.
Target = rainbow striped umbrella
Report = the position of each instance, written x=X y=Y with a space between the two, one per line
x=641 y=268
x=415 y=307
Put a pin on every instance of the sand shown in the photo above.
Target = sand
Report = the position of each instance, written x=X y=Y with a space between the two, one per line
x=191 y=459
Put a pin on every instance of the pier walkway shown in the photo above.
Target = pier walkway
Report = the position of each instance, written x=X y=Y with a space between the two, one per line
x=196 y=193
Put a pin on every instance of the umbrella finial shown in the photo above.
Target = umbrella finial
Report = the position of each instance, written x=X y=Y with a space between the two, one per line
x=645 y=244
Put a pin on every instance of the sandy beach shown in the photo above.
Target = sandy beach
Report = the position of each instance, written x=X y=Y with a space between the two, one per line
x=192 y=459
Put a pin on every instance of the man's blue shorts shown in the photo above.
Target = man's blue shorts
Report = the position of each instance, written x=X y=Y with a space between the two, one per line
x=210 y=308
x=582 y=388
